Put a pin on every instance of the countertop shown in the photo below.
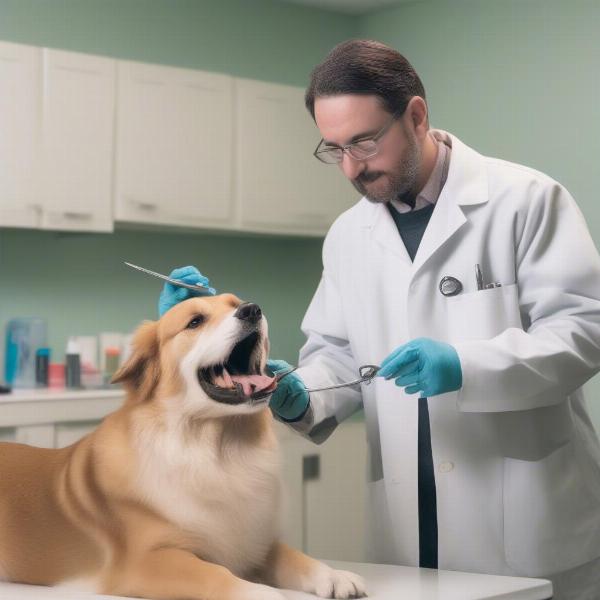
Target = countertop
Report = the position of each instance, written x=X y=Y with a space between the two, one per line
x=384 y=582
x=34 y=395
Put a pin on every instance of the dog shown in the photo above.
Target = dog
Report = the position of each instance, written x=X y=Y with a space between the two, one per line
x=176 y=495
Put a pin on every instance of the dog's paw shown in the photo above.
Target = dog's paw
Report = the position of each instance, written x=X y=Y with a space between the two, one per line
x=257 y=591
x=331 y=583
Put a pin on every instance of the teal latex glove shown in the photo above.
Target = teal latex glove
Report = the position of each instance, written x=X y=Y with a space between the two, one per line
x=172 y=294
x=424 y=365
x=290 y=399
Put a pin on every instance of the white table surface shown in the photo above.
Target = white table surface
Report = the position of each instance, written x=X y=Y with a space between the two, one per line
x=384 y=582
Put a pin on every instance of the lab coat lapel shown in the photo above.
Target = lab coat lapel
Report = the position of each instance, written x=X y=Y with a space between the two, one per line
x=385 y=233
x=466 y=184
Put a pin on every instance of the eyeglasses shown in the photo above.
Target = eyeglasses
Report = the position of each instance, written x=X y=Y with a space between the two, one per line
x=360 y=150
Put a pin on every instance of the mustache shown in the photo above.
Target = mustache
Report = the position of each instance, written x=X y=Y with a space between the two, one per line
x=368 y=177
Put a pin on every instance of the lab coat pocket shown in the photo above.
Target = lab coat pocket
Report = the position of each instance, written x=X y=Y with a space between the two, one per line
x=551 y=515
x=484 y=314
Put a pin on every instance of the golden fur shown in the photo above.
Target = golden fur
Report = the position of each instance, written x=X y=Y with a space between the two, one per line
x=173 y=496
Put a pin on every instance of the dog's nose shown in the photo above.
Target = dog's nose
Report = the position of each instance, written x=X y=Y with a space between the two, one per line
x=248 y=312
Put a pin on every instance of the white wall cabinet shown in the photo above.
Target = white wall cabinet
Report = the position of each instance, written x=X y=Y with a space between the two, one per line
x=77 y=141
x=20 y=122
x=87 y=141
x=174 y=146
x=280 y=185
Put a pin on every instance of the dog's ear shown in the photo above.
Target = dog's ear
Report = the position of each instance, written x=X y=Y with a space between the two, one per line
x=141 y=371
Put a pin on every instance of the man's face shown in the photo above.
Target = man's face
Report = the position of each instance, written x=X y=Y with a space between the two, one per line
x=392 y=173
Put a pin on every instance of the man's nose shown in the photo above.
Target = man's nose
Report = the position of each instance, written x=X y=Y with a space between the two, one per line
x=352 y=168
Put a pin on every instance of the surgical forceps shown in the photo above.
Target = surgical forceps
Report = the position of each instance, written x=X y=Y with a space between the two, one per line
x=366 y=372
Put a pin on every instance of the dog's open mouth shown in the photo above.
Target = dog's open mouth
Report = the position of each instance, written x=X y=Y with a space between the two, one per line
x=238 y=379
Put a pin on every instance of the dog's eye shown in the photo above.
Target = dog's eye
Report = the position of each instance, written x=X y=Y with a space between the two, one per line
x=196 y=322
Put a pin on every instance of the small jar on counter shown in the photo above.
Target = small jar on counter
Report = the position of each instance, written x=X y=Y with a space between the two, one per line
x=112 y=359
x=42 y=365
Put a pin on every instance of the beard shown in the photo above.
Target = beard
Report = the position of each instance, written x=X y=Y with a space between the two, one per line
x=401 y=181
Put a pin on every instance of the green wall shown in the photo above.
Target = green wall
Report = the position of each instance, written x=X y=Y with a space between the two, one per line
x=517 y=80
x=79 y=284
x=260 y=39
x=77 y=281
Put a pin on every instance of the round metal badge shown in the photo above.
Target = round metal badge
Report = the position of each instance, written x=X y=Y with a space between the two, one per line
x=450 y=286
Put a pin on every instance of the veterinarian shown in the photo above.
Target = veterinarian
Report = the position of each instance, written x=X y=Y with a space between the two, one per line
x=475 y=284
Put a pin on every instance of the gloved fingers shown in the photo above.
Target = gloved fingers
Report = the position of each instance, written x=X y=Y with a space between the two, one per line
x=179 y=294
x=289 y=402
x=296 y=395
x=202 y=291
x=191 y=275
x=413 y=389
x=405 y=380
x=275 y=366
x=410 y=368
x=173 y=290
x=393 y=355
x=390 y=368
x=181 y=272
x=194 y=279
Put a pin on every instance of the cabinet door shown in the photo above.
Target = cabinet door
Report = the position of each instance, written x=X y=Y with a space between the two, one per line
x=77 y=141
x=174 y=133
x=66 y=434
x=20 y=107
x=325 y=492
x=335 y=500
x=281 y=186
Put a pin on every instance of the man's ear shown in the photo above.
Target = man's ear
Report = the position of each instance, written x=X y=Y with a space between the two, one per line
x=141 y=372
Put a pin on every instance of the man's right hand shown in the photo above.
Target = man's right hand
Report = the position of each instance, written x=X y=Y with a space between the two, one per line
x=290 y=400
x=172 y=294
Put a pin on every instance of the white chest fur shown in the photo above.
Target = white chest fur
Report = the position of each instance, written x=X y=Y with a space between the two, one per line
x=225 y=496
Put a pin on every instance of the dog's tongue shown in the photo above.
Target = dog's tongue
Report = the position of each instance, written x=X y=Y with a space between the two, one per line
x=250 y=383
x=253 y=383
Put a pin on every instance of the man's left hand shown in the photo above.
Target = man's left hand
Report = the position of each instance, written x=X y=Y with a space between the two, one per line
x=424 y=365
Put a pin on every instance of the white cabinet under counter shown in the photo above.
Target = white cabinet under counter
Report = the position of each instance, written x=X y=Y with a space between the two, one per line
x=54 y=418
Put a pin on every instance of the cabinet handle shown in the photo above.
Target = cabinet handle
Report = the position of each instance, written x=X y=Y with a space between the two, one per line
x=311 y=467
x=78 y=216
x=143 y=205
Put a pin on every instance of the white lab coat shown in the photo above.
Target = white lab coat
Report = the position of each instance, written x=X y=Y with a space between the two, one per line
x=517 y=461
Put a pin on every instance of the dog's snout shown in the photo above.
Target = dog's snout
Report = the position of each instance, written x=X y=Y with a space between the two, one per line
x=248 y=312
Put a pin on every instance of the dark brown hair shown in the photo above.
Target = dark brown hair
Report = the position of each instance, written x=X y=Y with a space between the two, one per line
x=365 y=67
